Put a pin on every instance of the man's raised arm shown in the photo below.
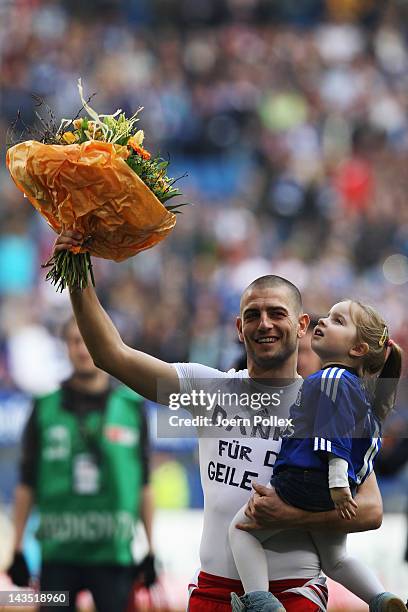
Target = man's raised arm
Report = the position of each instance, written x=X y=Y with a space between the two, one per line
x=266 y=510
x=137 y=370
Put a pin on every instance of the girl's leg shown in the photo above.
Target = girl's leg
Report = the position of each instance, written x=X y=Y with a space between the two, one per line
x=249 y=555
x=342 y=568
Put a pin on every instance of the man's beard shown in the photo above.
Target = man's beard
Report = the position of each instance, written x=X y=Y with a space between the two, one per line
x=275 y=361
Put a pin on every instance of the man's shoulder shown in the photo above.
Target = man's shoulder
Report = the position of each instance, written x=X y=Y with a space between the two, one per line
x=199 y=370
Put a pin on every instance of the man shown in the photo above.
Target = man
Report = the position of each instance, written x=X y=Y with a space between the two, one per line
x=85 y=466
x=270 y=324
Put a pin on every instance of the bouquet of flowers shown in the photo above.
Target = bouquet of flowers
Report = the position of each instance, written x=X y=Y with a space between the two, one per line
x=93 y=175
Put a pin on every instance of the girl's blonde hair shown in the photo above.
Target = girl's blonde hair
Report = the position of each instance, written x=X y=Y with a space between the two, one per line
x=384 y=355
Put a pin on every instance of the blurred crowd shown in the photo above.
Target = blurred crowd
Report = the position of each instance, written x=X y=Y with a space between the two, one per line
x=290 y=120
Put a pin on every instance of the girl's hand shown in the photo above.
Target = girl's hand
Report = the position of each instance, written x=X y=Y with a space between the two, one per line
x=67 y=239
x=343 y=502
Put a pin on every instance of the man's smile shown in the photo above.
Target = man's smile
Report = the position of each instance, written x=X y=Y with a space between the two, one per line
x=267 y=340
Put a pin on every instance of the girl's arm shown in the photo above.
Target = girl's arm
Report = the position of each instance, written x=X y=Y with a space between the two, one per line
x=339 y=487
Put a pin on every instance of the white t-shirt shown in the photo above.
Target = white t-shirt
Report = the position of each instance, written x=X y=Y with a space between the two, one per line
x=229 y=462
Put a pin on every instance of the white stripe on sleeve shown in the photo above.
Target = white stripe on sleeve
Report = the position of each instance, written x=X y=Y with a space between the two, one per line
x=323 y=379
x=336 y=383
x=330 y=377
x=368 y=458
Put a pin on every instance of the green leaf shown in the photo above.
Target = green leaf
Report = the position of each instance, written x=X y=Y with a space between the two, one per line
x=176 y=206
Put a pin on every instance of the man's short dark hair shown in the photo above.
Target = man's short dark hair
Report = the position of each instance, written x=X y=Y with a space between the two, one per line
x=272 y=281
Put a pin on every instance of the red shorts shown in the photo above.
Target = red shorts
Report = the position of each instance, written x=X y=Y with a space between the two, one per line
x=213 y=594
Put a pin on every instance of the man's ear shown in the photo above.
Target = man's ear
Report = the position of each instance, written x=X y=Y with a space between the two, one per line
x=359 y=350
x=303 y=324
x=238 y=323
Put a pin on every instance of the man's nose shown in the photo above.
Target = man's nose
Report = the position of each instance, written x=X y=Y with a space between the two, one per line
x=322 y=321
x=265 y=321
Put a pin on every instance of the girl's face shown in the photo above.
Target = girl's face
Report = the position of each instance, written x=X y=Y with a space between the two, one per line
x=336 y=335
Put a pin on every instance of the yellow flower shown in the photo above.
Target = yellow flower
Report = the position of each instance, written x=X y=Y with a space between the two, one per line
x=136 y=139
x=69 y=137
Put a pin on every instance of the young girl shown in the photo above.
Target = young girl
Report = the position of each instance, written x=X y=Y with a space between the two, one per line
x=337 y=433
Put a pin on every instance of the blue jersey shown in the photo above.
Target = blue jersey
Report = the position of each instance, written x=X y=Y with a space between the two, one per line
x=332 y=415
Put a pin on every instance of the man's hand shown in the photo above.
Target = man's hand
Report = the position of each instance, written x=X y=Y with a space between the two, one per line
x=266 y=510
x=66 y=240
x=18 y=570
x=146 y=571
x=343 y=502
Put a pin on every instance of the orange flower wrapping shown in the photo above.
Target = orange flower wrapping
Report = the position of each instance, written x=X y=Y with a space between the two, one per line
x=90 y=188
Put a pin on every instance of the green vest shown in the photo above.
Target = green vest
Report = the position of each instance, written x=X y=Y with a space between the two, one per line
x=88 y=509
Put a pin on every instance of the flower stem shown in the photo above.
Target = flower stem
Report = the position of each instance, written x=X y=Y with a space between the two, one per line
x=70 y=270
